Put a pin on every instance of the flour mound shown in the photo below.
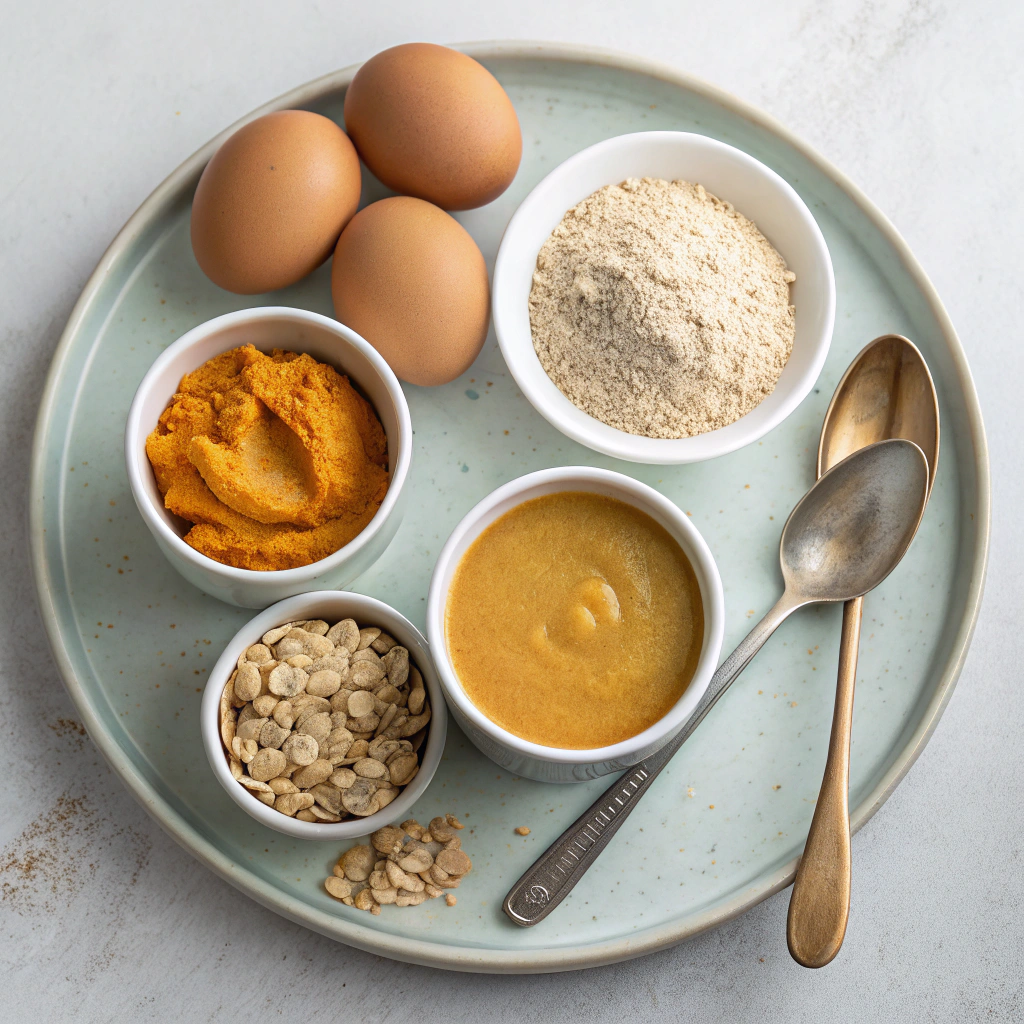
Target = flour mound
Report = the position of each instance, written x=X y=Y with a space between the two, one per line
x=660 y=310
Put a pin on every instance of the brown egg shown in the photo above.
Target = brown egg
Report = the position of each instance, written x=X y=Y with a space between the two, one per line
x=433 y=123
x=273 y=200
x=411 y=280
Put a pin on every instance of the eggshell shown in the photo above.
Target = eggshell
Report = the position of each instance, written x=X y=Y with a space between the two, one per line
x=410 y=280
x=433 y=123
x=271 y=203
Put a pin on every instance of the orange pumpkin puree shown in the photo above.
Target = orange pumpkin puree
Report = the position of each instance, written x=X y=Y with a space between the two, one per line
x=275 y=459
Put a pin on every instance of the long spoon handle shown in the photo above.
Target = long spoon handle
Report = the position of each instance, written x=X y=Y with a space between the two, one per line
x=820 y=904
x=553 y=876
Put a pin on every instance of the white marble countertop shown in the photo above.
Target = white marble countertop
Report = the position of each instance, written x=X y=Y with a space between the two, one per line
x=104 y=918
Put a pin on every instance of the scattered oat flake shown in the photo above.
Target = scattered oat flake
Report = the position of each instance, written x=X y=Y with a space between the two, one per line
x=404 y=865
x=522 y=831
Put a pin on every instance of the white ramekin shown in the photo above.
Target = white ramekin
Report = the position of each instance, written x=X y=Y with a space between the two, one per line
x=331 y=606
x=550 y=764
x=756 y=191
x=269 y=327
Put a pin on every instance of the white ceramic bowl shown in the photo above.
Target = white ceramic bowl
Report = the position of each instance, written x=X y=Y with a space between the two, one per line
x=550 y=764
x=270 y=327
x=331 y=606
x=756 y=191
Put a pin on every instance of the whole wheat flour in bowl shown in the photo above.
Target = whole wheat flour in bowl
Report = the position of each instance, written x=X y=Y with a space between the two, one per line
x=660 y=310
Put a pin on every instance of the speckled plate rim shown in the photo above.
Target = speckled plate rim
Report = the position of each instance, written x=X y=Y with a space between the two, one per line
x=503 y=961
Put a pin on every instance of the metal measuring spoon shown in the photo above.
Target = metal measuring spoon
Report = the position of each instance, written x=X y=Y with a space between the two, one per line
x=887 y=392
x=843 y=538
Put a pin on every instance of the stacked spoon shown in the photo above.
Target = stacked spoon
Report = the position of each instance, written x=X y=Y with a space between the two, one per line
x=887 y=392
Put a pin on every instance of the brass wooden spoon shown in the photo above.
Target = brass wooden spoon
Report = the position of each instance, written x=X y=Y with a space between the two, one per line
x=887 y=392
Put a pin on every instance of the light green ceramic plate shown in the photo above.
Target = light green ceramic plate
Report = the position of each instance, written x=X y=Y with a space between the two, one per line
x=723 y=827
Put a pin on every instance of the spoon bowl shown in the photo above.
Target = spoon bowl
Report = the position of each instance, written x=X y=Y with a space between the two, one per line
x=886 y=392
x=852 y=528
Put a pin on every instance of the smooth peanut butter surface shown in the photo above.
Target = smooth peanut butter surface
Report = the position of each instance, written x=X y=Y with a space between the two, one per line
x=574 y=621
x=276 y=459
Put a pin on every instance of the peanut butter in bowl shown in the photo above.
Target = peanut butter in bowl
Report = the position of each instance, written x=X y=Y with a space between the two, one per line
x=574 y=621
